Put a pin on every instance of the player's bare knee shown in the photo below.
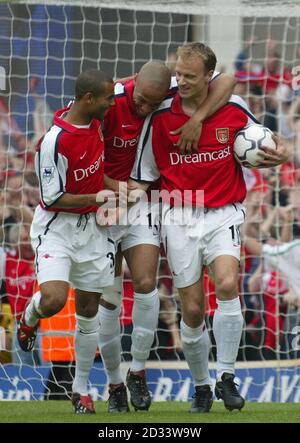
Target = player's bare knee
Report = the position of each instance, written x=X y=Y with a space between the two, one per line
x=227 y=288
x=88 y=310
x=194 y=314
x=145 y=284
x=51 y=304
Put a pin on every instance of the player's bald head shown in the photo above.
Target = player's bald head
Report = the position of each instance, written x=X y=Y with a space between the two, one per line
x=92 y=81
x=151 y=87
x=156 y=74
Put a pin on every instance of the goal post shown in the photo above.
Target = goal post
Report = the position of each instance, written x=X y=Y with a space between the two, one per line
x=44 y=45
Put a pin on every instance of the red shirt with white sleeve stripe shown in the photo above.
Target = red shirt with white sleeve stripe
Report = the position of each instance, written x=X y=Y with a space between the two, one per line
x=122 y=129
x=70 y=159
x=212 y=169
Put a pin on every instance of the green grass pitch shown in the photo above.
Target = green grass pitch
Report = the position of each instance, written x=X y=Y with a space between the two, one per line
x=160 y=412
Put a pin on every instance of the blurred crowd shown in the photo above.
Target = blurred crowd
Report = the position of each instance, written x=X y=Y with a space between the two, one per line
x=273 y=204
x=271 y=309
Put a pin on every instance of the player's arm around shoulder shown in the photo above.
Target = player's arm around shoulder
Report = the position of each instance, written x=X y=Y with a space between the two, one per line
x=131 y=192
x=220 y=90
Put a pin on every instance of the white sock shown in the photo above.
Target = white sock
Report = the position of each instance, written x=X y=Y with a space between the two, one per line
x=227 y=326
x=33 y=311
x=144 y=318
x=195 y=345
x=86 y=340
x=110 y=343
x=113 y=294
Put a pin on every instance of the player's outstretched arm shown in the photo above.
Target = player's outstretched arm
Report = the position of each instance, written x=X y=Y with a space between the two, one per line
x=126 y=79
x=219 y=93
x=117 y=186
x=134 y=184
x=274 y=157
x=69 y=201
x=134 y=192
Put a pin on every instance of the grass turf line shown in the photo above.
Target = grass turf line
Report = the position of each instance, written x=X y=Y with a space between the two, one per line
x=160 y=412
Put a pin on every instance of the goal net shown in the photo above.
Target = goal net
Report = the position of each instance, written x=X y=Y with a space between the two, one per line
x=43 y=47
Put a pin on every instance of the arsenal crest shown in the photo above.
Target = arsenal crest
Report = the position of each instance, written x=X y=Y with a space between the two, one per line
x=222 y=135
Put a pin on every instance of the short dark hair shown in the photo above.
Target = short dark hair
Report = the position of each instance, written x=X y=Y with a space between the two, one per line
x=91 y=81
x=201 y=50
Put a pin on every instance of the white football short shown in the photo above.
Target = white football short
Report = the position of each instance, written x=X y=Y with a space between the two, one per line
x=141 y=227
x=198 y=237
x=72 y=248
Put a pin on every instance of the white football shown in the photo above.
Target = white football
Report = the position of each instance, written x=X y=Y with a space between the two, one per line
x=249 y=141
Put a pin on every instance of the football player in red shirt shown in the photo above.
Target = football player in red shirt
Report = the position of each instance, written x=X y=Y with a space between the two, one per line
x=69 y=245
x=210 y=185
x=139 y=242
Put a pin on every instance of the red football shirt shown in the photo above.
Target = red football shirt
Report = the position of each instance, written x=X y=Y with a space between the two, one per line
x=121 y=130
x=70 y=160
x=212 y=169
